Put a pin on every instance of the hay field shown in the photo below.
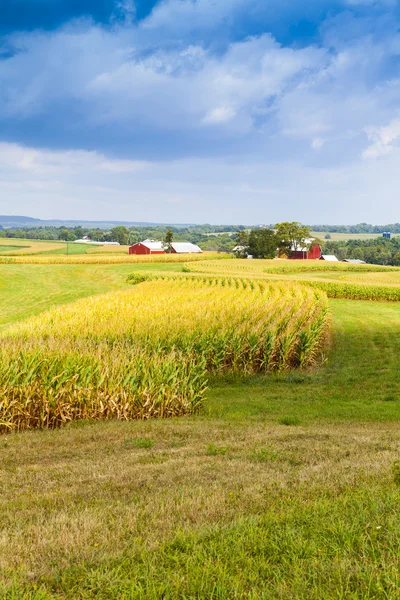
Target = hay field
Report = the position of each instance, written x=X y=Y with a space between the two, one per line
x=19 y=247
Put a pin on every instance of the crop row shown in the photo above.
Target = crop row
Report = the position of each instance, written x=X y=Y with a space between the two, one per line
x=356 y=292
x=147 y=351
x=348 y=291
x=283 y=267
x=105 y=259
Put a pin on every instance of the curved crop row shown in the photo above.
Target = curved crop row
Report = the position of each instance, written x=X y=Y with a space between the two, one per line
x=147 y=351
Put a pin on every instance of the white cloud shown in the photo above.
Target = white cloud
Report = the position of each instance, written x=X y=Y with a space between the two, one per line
x=216 y=116
x=182 y=191
x=43 y=162
x=383 y=139
x=317 y=143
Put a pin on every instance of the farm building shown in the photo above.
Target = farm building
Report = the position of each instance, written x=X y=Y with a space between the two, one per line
x=328 y=257
x=147 y=247
x=86 y=240
x=354 y=261
x=309 y=251
x=184 y=248
x=154 y=247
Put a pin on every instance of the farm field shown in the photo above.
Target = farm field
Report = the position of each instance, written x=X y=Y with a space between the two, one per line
x=284 y=485
x=24 y=247
x=339 y=237
x=304 y=270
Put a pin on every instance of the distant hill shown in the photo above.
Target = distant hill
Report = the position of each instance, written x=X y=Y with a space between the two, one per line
x=13 y=222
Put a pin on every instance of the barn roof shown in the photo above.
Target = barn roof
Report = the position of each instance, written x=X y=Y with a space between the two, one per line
x=185 y=247
x=152 y=245
x=354 y=261
x=329 y=257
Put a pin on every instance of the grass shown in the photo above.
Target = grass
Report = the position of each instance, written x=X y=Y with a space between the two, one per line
x=8 y=248
x=27 y=290
x=285 y=487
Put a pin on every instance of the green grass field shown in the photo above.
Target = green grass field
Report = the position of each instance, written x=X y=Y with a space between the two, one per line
x=286 y=486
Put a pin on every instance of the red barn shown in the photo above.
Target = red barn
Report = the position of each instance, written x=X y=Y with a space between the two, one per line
x=147 y=247
x=313 y=252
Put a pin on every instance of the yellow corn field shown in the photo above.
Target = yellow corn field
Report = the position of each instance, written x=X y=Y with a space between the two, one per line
x=147 y=351
x=108 y=258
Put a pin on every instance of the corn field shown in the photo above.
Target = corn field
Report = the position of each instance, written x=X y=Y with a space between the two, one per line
x=108 y=258
x=147 y=352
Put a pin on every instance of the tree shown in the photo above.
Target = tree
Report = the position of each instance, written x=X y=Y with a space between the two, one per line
x=262 y=243
x=292 y=235
x=242 y=242
x=168 y=238
x=120 y=234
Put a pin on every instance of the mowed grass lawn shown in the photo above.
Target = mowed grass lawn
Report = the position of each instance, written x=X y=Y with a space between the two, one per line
x=285 y=487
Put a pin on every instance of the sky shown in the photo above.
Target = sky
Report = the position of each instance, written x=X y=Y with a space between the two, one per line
x=201 y=111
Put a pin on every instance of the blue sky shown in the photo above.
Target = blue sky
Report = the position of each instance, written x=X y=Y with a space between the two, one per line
x=250 y=111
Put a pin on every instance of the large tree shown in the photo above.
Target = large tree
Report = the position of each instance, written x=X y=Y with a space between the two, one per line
x=292 y=235
x=120 y=234
x=262 y=243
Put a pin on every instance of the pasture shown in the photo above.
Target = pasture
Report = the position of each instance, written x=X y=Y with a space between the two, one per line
x=284 y=485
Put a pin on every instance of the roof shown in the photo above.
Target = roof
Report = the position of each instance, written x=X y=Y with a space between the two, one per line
x=185 y=247
x=354 y=261
x=87 y=241
x=152 y=245
x=329 y=257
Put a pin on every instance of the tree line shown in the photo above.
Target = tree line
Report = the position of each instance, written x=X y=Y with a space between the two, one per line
x=208 y=237
x=377 y=251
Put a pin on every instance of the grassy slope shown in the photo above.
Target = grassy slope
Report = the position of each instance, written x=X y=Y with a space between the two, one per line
x=232 y=504
x=27 y=290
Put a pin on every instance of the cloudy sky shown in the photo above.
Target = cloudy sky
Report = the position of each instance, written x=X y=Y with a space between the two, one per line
x=218 y=111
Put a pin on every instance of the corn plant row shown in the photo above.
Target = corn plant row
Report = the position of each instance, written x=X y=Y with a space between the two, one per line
x=106 y=259
x=352 y=291
x=147 y=351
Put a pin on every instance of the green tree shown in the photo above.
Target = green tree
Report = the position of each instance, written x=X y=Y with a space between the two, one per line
x=168 y=238
x=120 y=234
x=242 y=241
x=292 y=235
x=262 y=243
